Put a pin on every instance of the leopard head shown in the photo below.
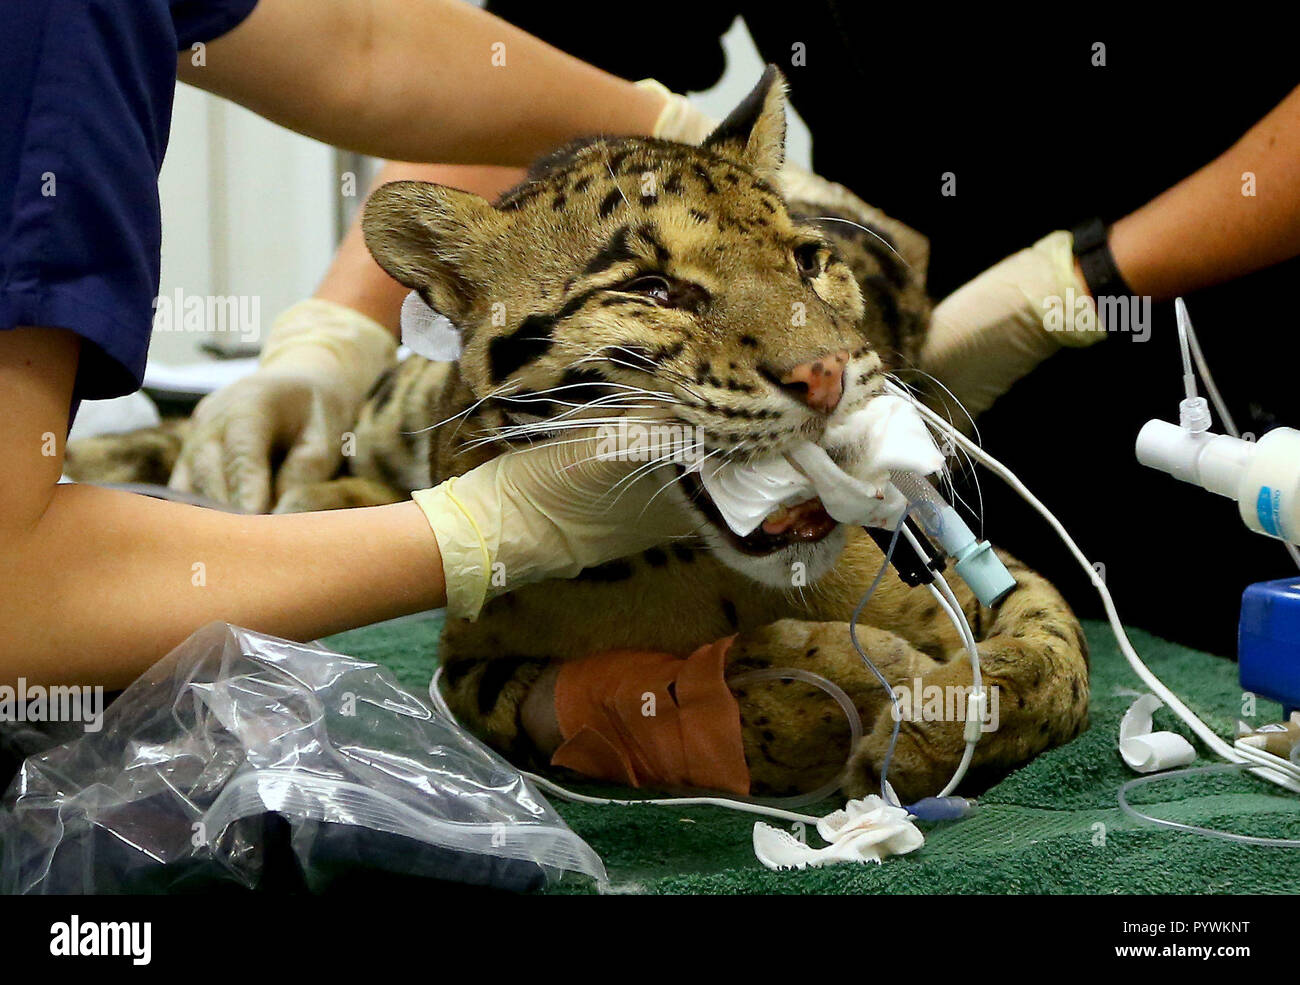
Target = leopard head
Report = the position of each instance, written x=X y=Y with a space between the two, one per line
x=665 y=285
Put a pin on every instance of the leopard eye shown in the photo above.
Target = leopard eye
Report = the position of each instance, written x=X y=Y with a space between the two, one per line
x=810 y=258
x=667 y=292
x=650 y=286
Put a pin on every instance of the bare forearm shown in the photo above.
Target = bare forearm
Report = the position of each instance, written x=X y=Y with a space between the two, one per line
x=355 y=280
x=96 y=585
x=416 y=80
x=106 y=582
x=1208 y=228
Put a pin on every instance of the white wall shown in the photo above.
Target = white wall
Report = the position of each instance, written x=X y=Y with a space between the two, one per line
x=249 y=209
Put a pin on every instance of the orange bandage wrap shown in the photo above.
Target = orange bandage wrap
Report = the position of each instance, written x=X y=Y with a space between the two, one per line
x=652 y=719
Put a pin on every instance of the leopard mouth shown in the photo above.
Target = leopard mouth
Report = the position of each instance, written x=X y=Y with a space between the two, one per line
x=803 y=523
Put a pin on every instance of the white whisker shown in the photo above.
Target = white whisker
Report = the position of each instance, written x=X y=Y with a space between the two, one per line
x=866 y=229
x=468 y=410
x=610 y=168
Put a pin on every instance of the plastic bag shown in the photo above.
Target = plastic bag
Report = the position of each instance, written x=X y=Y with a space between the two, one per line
x=251 y=760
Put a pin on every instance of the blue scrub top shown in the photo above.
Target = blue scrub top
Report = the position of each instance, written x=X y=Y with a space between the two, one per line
x=85 y=109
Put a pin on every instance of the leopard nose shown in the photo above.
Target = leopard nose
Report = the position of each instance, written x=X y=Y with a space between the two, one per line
x=819 y=382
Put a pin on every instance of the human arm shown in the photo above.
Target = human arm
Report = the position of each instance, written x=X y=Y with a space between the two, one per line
x=356 y=281
x=415 y=80
x=990 y=332
x=96 y=585
x=1234 y=233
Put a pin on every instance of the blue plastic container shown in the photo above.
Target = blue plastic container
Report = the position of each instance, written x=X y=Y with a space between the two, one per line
x=1268 y=641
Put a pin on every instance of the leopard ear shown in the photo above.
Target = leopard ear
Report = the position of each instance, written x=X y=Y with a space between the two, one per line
x=434 y=239
x=753 y=133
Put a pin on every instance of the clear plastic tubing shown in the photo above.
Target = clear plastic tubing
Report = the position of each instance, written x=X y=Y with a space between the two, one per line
x=841 y=698
x=1137 y=815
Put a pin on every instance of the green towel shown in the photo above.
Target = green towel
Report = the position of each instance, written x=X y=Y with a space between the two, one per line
x=1052 y=827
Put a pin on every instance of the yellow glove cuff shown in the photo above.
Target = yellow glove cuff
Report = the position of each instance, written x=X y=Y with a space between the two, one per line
x=1082 y=327
x=679 y=120
x=545 y=511
x=316 y=336
x=466 y=554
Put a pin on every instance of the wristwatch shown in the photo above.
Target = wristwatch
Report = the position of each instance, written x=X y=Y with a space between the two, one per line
x=1092 y=250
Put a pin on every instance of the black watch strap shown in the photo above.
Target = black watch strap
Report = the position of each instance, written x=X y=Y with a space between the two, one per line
x=1100 y=272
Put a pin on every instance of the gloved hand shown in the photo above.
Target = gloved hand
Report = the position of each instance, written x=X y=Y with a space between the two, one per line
x=547 y=511
x=316 y=367
x=993 y=330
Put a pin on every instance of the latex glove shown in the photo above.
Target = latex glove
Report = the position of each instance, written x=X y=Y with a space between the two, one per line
x=679 y=120
x=995 y=329
x=318 y=363
x=546 y=511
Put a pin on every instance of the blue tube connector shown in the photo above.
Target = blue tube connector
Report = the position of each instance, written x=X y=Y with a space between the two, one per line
x=976 y=564
x=985 y=573
x=941 y=808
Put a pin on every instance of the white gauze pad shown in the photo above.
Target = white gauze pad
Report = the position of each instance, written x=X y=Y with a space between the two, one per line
x=886 y=435
x=427 y=333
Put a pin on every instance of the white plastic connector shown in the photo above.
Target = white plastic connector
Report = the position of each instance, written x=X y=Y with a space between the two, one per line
x=975 y=705
x=1262 y=476
x=1212 y=461
x=1194 y=414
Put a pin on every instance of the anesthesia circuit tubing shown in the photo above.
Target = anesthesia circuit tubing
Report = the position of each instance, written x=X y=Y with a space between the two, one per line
x=886 y=793
x=1203 y=731
x=943 y=594
x=948 y=602
x=1136 y=814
